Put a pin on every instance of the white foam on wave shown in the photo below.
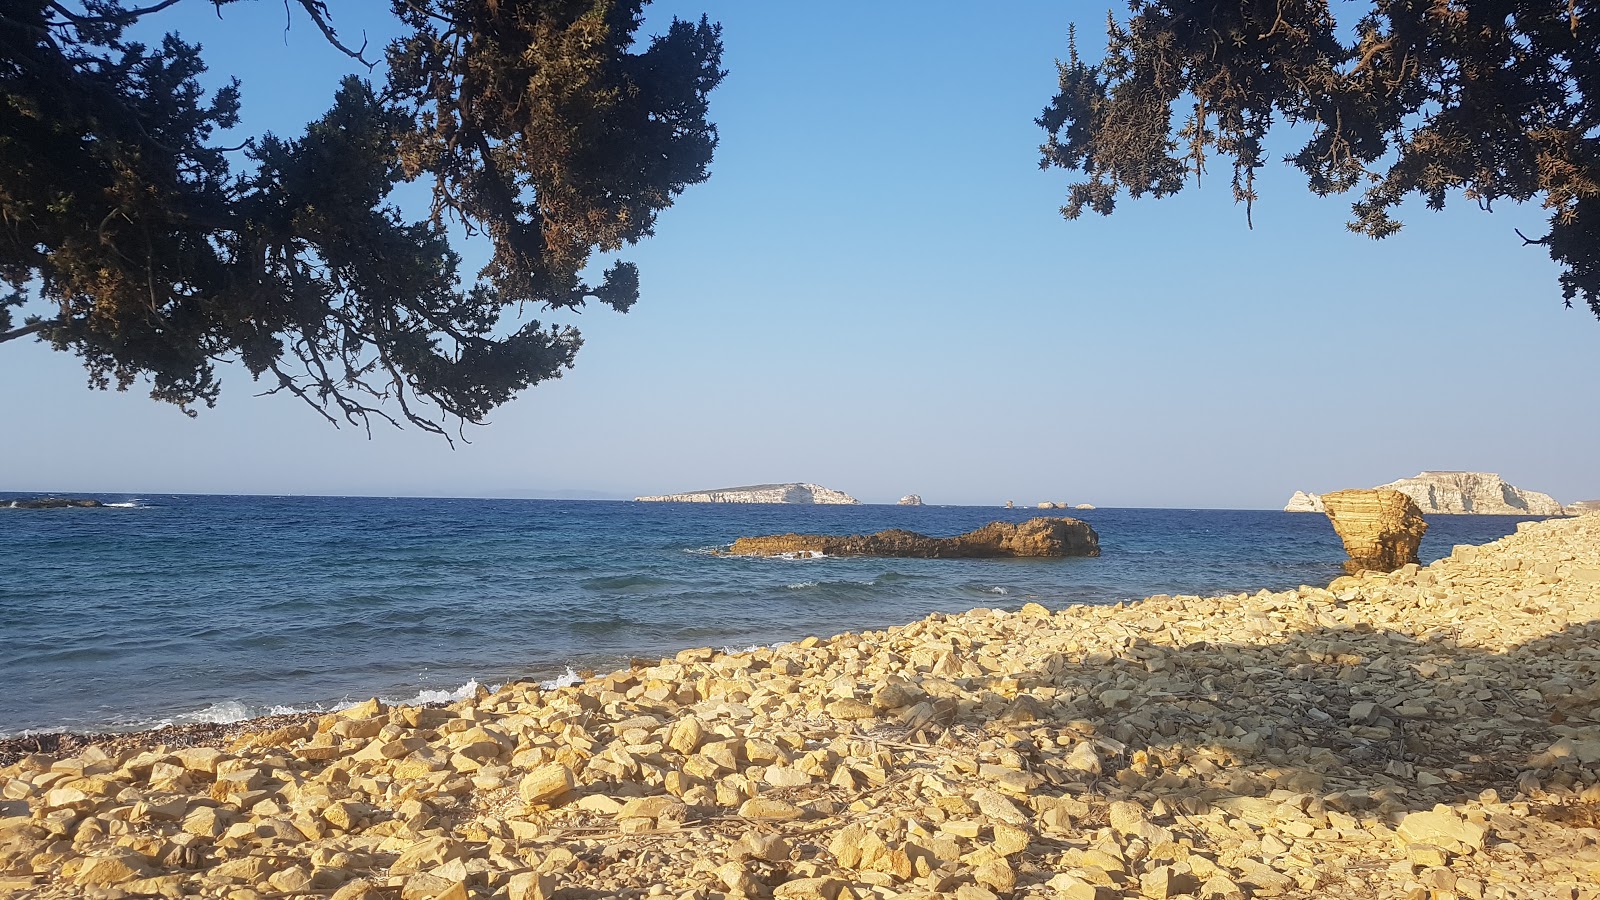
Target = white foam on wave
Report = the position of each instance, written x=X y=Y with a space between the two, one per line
x=565 y=679
x=801 y=585
x=463 y=692
x=131 y=504
x=226 y=712
x=999 y=590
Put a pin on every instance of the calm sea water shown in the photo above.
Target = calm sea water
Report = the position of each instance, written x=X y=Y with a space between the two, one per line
x=202 y=608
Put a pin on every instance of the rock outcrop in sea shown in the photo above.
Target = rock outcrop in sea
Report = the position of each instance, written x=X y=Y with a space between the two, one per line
x=793 y=492
x=1429 y=733
x=50 y=503
x=1304 y=502
x=1381 y=529
x=1041 y=537
x=1456 y=493
x=910 y=500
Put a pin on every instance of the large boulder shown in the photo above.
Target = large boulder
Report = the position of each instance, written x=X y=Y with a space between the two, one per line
x=1381 y=529
x=1042 y=537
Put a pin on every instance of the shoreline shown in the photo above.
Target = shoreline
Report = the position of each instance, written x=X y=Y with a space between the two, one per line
x=176 y=737
x=1431 y=732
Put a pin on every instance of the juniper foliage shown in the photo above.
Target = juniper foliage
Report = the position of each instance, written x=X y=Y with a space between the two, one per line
x=154 y=252
x=1490 y=101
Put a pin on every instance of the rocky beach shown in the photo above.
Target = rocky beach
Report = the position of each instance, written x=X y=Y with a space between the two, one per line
x=1429 y=733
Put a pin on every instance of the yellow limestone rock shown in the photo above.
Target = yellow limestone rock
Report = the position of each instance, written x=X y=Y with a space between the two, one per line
x=108 y=870
x=687 y=735
x=546 y=784
x=656 y=807
x=996 y=875
x=808 y=889
x=768 y=808
x=1381 y=529
x=531 y=886
x=1440 y=827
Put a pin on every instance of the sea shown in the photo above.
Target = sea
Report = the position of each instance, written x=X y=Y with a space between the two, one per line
x=178 y=609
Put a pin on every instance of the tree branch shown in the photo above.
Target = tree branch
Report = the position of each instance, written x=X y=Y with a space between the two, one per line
x=26 y=330
x=315 y=9
x=124 y=17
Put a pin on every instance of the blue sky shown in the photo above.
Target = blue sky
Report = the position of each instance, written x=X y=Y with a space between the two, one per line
x=875 y=292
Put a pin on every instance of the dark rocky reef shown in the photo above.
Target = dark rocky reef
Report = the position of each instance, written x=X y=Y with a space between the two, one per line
x=1041 y=537
x=49 y=503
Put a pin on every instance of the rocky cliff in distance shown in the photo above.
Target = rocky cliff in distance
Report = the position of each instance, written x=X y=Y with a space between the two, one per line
x=792 y=492
x=1304 y=502
x=1583 y=508
x=1455 y=493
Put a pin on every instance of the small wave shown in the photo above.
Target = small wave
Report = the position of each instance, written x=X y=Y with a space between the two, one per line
x=227 y=712
x=565 y=679
x=801 y=585
x=129 y=504
x=601 y=626
x=750 y=649
x=441 y=696
x=896 y=577
x=624 y=582
x=983 y=590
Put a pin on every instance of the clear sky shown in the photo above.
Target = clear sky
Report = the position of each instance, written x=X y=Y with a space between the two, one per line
x=875 y=292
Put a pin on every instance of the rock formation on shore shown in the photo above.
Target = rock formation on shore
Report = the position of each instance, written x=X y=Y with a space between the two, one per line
x=1041 y=537
x=1456 y=493
x=1381 y=529
x=910 y=500
x=1583 y=507
x=1427 y=733
x=50 y=503
x=793 y=492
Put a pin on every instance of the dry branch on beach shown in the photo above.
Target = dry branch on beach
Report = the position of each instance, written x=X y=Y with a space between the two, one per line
x=1426 y=733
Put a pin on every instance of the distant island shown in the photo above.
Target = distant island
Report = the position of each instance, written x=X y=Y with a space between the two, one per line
x=1458 y=493
x=792 y=492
